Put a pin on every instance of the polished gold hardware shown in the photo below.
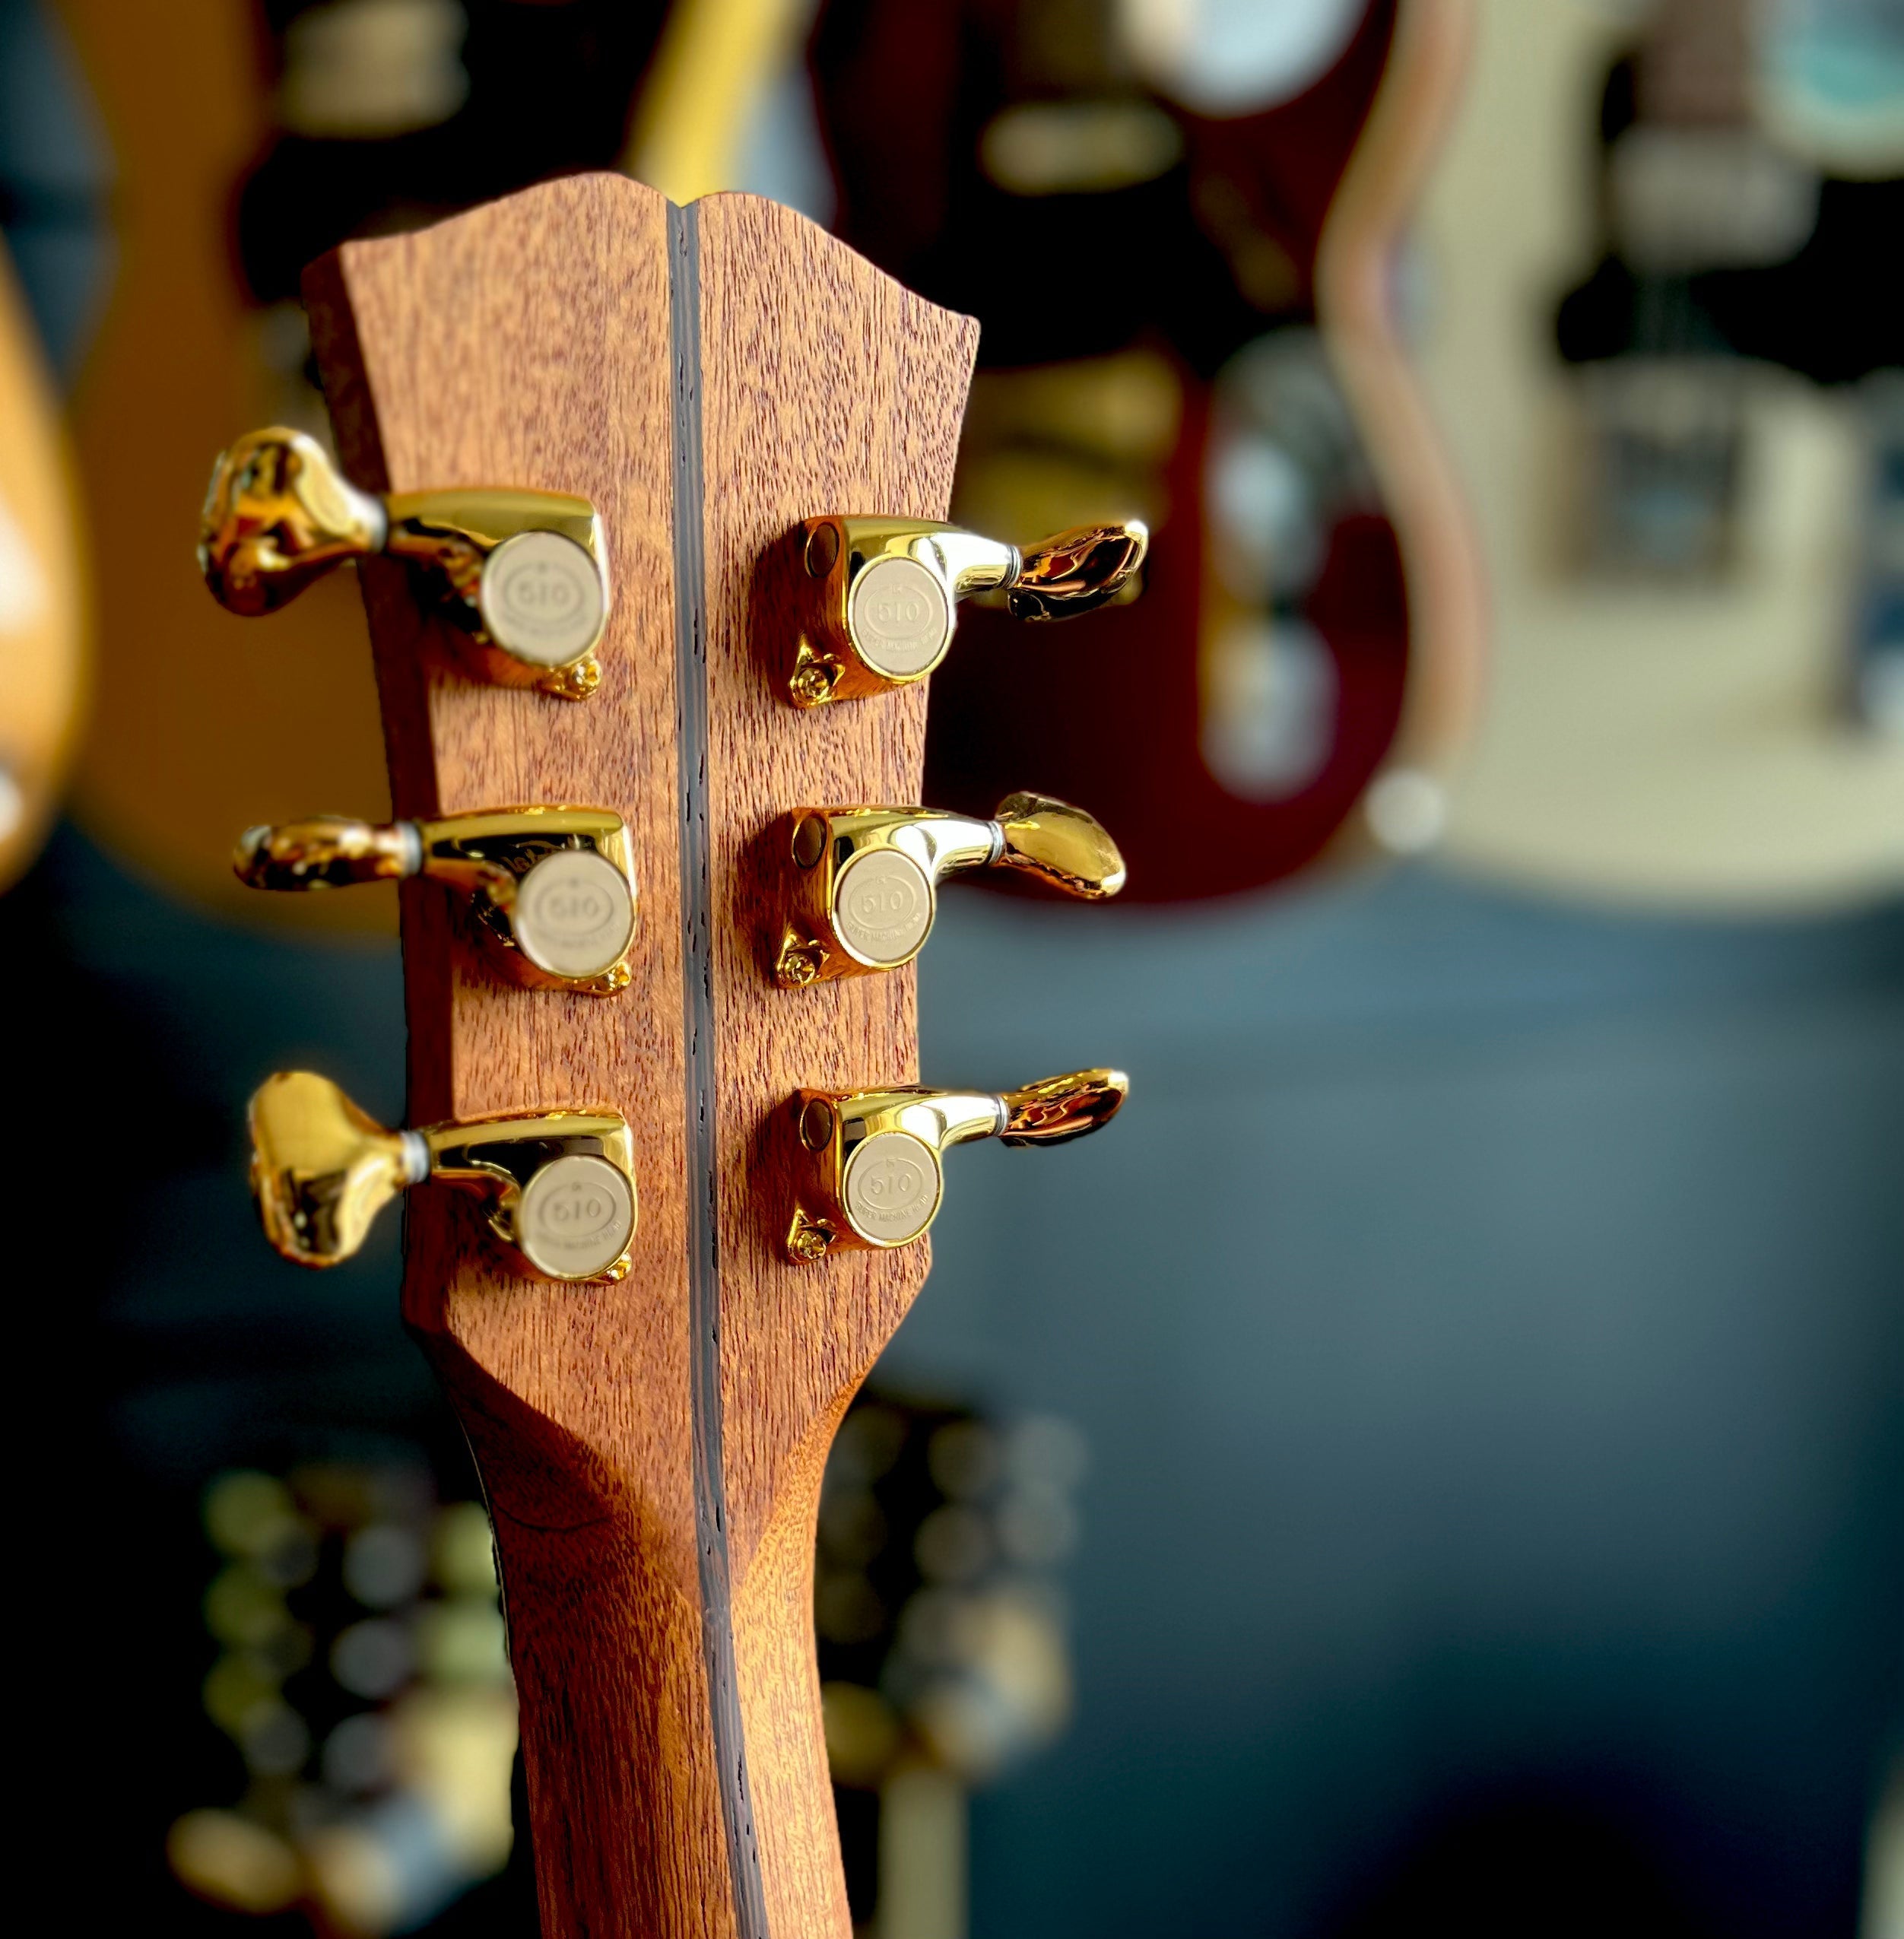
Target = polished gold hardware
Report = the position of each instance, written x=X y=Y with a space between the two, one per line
x=554 y=888
x=561 y=1184
x=872 y=1176
x=888 y=591
x=866 y=879
x=523 y=574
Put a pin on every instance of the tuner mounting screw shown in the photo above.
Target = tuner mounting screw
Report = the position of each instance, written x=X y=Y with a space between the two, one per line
x=575 y=683
x=799 y=964
x=814 y=677
x=810 y=1238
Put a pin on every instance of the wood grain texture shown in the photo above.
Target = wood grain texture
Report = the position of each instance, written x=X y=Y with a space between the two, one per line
x=824 y=385
x=530 y=343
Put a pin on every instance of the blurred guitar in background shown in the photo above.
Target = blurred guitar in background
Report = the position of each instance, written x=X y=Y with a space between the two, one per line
x=1212 y=345
x=248 y=138
x=44 y=610
x=1182 y=230
x=1664 y=306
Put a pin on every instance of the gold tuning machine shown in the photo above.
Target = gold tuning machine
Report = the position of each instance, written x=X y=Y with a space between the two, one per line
x=561 y=1184
x=554 y=888
x=871 y=1175
x=523 y=574
x=866 y=879
x=887 y=593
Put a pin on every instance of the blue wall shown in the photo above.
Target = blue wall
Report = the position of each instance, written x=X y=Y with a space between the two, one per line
x=1489 y=1324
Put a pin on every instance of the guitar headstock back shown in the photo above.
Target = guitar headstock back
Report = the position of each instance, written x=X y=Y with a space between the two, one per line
x=652 y=1447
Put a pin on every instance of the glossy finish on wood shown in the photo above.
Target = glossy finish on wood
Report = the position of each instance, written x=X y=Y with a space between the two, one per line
x=653 y=1449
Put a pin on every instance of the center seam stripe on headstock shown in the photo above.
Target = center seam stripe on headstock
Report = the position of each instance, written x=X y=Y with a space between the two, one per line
x=697 y=964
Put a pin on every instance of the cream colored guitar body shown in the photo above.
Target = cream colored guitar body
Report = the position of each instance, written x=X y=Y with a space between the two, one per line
x=1682 y=746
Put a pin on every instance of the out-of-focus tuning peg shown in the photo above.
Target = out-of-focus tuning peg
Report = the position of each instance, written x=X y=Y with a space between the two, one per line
x=886 y=594
x=872 y=1176
x=523 y=574
x=866 y=878
x=554 y=888
x=561 y=1184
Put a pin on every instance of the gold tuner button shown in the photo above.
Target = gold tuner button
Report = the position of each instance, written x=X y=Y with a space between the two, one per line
x=866 y=880
x=560 y=1185
x=886 y=594
x=523 y=574
x=554 y=888
x=872 y=1173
